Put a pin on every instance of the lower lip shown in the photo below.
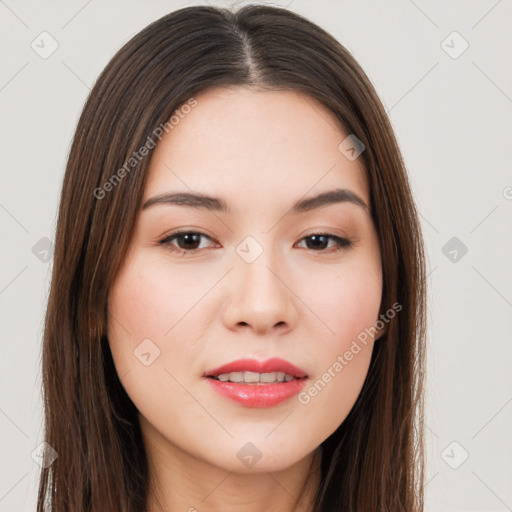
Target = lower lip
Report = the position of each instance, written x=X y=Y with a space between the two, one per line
x=257 y=395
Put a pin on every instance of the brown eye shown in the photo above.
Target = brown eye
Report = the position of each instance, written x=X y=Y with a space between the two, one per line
x=184 y=241
x=319 y=242
x=189 y=241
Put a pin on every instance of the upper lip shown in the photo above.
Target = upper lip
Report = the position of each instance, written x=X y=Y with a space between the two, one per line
x=252 y=365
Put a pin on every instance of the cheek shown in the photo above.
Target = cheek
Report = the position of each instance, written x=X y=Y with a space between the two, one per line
x=348 y=303
x=149 y=335
x=331 y=395
x=153 y=299
x=147 y=307
x=346 y=300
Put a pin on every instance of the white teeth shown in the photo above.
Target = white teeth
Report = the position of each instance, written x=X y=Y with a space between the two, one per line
x=254 y=377
x=251 y=377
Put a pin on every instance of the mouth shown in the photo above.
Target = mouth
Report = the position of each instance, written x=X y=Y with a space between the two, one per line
x=257 y=384
x=252 y=371
x=255 y=378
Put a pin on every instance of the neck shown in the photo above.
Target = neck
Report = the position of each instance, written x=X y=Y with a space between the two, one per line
x=181 y=482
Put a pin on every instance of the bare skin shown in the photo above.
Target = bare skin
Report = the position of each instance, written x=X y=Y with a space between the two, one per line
x=300 y=301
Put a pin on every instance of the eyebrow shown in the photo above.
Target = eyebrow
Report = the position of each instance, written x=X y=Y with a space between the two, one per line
x=216 y=204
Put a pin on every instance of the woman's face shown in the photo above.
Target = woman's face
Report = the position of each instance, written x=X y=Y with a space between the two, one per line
x=250 y=281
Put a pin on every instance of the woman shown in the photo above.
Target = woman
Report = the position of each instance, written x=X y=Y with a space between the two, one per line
x=237 y=309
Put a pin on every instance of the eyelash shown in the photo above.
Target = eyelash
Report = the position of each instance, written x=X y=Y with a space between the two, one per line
x=341 y=243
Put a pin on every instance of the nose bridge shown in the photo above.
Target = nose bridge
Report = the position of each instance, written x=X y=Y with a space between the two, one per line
x=259 y=280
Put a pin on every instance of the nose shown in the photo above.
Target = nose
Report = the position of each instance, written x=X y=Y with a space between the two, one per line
x=260 y=298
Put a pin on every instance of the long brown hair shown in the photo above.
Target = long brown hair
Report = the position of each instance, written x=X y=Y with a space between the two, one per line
x=374 y=461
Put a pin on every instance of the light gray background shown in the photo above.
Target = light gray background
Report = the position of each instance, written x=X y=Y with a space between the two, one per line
x=452 y=120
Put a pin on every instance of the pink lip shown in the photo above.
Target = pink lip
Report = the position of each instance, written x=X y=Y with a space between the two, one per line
x=257 y=395
x=252 y=365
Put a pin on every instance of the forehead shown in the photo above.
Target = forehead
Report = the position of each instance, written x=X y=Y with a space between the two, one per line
x=252 y=145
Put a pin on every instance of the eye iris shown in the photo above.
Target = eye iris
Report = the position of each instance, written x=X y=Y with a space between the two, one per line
x=190 y=238
x=319 y=241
